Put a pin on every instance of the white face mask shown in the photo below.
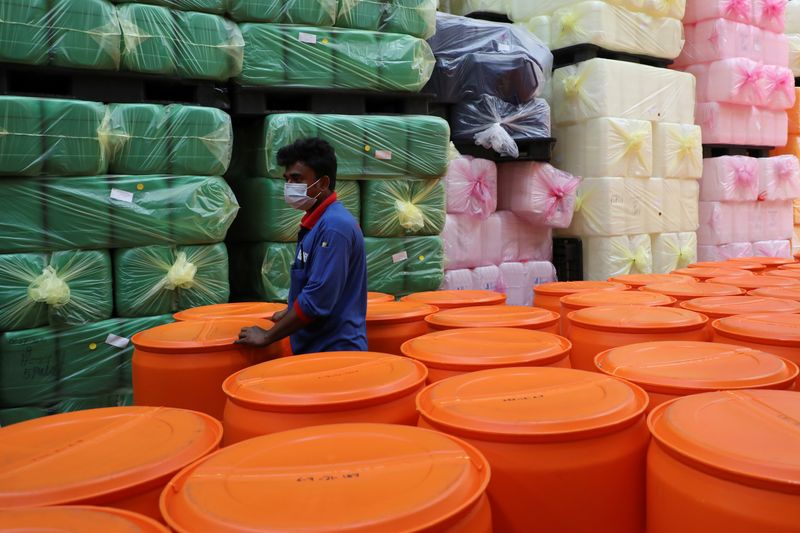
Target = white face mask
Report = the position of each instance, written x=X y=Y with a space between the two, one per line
x=296 y=195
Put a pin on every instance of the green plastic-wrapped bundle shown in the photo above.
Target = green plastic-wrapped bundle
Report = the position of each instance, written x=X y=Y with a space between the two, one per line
x=136 y=138
x=200 y=140
x=398 y=208
x=306 y=56
x=23 y=31
x=21 y=144
x=361 y=14
x=263 y=270
x=20 y=414
x=406 y=265
x=410 y=17
x=216 y=7
x=310 y=12
x=84 y=34
x=148 y=34
x=207 y=46
x=165 y=279
x=366 y=146
x=40 y=214
x=72 y=138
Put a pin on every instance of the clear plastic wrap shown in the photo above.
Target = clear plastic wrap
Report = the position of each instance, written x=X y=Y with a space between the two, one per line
x=716 y=39
x=521 y=241
x=156 y=280
x=262 y=270
x=458 y=280
x=677 y=150
x=730 y=179
x=83 y=33
x=689 y=206
x=216 y=7
x=58 y=369
x=645 y=205
x=608 y=257
x=475 y=58
x=402 y=208
x=278 y=55
x=404 y=266
x=600 y=208
x=539 y=193
x=471 y=186
x=496 y=124
x=743 y=81
x=779 y=178
x=723 y=223
x=771 y=221
x=779 y=248
x=63 y=288
x=521 y=10
x=723 y=252
x=517 y=280
x=44 y=214
x=465 y=7
x=672 y=251
x=738 y=124
x=367 y=146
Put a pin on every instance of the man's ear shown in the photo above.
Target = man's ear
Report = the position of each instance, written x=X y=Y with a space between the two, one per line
x=325 y=182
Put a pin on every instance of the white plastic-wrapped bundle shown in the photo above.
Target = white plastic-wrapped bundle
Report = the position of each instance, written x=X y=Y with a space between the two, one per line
x=608 y=257
x=723 y=252
x=669 y=203
x=539 y=193
x=526 y=9
x=600 y=208
x=644 y=205
x=690 y=200
x=677 y=150
x=730 y=179
x=606 y=147
x=471 y=186
x=771 y=221
x=672 y=251
x=779 y=177
x=780 y=248
x=485 y=278
x=458 y=280
x=517 y=280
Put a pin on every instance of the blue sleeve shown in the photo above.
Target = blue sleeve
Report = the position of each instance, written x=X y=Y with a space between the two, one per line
x=329 y=268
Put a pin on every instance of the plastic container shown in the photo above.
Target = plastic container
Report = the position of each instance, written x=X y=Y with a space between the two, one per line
x=495 y=316
x=377 y=297
x=740 y=265
x=115 y=457
x=739 y=450
x=769 y=262
x=689 y=291
x=459 y=351
x=183 y=364
x=390 y=324
x=78 y=519
x=548 y=295
x=456 y=299
x=567 y=448
x=790 y=266
x=784 y=293
x=635 y=281
x=343 y=477
x=724 y=306
x=777 y=334
x=755 y=282
x=671 y=369
x=704 y=274
x=584 y=300
x=324 y=388
x=788 y=274
x=598 y=329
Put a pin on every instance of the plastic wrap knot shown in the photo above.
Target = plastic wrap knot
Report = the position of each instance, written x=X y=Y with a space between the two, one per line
x=49 y=288
x=498 y=139
x=572 y=86
x=409 y=215
x=780 y=80
x=568 y=22
x=749 y=77
x=737 y=8
x=773 y=9
x=181 y=274
x=785 y=169
x=744 y=176
x=686 y=144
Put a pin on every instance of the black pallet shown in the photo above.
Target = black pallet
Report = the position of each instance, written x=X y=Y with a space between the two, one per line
x=531 y=150
x=260 y=101
x=108 y=86
x=583 y=52
x=797 y=82
x=568 y=258
x=489 y=16
x=719 y=150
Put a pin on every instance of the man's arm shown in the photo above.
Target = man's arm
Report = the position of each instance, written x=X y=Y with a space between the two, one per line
x=261 y=338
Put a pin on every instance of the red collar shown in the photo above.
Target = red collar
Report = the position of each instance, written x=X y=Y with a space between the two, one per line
x=309 y=219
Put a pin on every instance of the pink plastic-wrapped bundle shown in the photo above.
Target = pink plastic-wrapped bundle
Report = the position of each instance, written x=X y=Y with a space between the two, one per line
x=770 y=15
x=735 y=81
x=471 y=186
x=779 y=178
x=485 y=278
x=539 y=193
x=535 y=243
x=738 y=124
x=457 y=280
x=712 y=40
x=462 y=242
x=723 y=223
x=779 y=248
x=773 y=47
x=509 y=236
x=723 y=252
x=770 y=221
x=777 y=91
x=730 y=179
x=735 y=10
x=491 y=245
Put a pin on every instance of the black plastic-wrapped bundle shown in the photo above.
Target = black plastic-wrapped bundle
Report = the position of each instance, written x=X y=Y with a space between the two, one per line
x=475 y=57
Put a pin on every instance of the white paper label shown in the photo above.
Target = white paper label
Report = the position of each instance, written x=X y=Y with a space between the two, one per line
x=122 y=196
x=309 y=38
x=117 y=341
x=383 y=154
x=503 y=47
x=401 y=256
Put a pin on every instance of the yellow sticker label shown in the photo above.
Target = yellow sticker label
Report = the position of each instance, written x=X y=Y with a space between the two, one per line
x=324 y=41
x=93 y=346
x=422 y=258
x=140 y=186
x=367 y=148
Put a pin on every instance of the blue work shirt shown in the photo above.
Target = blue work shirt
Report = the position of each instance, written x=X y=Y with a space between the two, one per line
x=329 y=282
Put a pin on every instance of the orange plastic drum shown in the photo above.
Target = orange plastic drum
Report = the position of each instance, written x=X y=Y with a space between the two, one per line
x=597 y=329
x=376 y=297
x=584 y=300
x=689 y=291
x=703 y=274
x=785 y=293
x=495 y=316
x=117 y=457
x=567 y=448
x=325 y=388
x=640 y=280
x=671 y=369
x=77 y=519
x=755 y=282
x=790 y=266
x=183 y=364
x=716 y=307
x=778 y=334
x=390 y=324
x=459 y=351
x=548 y=295
x=781 y=273
x=455 y=299
x=769 y=262
x=740 y=265
x=725 y=461
x=372 y=478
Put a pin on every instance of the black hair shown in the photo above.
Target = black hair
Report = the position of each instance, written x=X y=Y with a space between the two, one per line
x=315 y=153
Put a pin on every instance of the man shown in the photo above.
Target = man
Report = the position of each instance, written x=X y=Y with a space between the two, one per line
x=328 y=294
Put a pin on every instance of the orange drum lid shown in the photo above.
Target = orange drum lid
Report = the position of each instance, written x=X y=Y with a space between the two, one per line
x=395 y=312
x=784 y=273
x=86 y=455
x=747 y=436
x=740 y=265
x=693 y=290
x=790 y=266
x=766 y=261
x=493 y=316
x=531 y=404
x=196 y=335
x=755 y=282
x=341 y=477
x=582 y=300
x=477 y=348
x=77 y=519
x=637 y=319
x=765 y=328
x=684 y=367
x=450 y=299
x=717 y=272
x=565 y=288
x=233 y=310
x=640 y=280
x=721 y=306
x=325 y=381
x=379 y=297
x=785 y=293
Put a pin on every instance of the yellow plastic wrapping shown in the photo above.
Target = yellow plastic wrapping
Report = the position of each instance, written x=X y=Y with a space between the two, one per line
x=677 y=151
x=399 y=208
x=672 y=251
x=522 y=10
x=607 y=257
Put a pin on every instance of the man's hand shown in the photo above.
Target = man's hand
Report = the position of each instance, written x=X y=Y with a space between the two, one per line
x=277 y=317
x=254 y=337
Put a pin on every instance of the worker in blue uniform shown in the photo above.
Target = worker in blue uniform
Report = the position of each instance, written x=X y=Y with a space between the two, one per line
x=328 y=294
